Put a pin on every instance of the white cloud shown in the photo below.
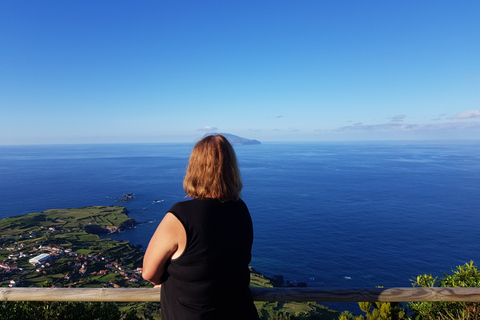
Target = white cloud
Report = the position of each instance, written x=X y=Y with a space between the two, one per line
x=396 y=126
x=207 y=128
x=467 y=115
x=398 y=118
x=412 y=127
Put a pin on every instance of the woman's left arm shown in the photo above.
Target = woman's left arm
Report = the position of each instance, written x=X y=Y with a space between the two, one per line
x=164 y=244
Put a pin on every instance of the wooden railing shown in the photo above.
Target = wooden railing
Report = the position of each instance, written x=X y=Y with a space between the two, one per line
x=259 y=294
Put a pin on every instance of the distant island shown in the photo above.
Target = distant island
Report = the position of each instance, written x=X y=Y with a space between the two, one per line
x=236 y=140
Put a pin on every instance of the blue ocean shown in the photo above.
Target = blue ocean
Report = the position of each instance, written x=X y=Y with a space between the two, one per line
x=356 y=214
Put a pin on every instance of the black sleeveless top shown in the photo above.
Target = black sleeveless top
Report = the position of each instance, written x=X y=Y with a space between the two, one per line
x=210 y=280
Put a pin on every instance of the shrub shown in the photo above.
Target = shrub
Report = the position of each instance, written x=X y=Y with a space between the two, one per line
x=463 y=276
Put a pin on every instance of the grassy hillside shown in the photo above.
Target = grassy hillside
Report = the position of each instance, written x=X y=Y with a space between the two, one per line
x=67 y=220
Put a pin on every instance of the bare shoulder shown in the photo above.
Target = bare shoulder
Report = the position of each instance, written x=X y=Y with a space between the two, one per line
x=171 y=222
x=175 y=230
x=168 y=232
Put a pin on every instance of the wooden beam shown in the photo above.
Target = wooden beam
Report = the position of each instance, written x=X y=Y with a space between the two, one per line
x=259 y=294
x=81 y=294
x=366 y=294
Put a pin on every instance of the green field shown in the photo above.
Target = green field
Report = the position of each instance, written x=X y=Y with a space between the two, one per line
x=76 y=219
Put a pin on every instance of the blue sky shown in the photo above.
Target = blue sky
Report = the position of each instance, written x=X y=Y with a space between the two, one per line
x=170 y=71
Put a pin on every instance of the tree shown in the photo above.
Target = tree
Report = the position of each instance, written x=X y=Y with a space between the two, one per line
x=464 y=276
x=382 y=311
x=28 y=310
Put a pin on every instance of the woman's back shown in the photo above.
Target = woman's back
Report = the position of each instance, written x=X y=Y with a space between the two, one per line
x=201 y=250
x=210 y=279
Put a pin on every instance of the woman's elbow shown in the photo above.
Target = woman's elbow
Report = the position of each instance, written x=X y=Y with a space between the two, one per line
x=150 y=275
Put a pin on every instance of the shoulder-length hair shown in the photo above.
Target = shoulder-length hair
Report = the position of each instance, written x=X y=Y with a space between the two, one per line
x=212 y=171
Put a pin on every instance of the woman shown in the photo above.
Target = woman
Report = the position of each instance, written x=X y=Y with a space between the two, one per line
x=201 y=250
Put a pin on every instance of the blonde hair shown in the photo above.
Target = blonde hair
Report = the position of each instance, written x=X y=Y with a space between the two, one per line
x=212 y=171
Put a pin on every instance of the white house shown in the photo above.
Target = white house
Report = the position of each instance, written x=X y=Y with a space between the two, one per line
x=41 y=258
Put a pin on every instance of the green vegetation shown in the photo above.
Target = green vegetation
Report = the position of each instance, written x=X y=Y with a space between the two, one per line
x=59 y=311
x=295 y=311
x=98 y=219
x=258 y=279
x=288 y=310
x=79 y=258
x=377 y=311
x=464 y=276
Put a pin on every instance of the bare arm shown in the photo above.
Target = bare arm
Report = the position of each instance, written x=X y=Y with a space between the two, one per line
x=168 y=241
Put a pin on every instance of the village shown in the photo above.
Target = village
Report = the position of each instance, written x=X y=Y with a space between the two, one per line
x=26 y=265
x=61 y=248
